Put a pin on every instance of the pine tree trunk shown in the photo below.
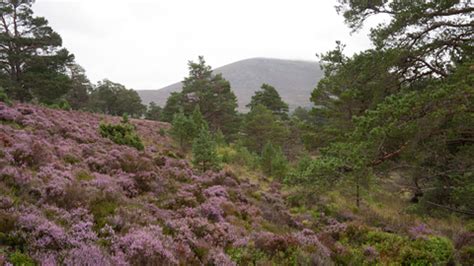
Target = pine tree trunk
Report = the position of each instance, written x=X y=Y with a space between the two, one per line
x=357 y=192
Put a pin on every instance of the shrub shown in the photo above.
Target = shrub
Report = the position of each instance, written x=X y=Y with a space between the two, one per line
x=434 y=250
x=71 y=159
x=387 y=244
x=122 y=134
x=145 y=247
x=226 y=153
x=246 y=256
x=4 y=97
x=183 y=130
x=204 y=151
x=101 y=209
x=20 y=259
x=466 y=255
x=84 y=175
x=86 y=255
x=273 y=162
x=238 y=155
x=162 y=132
x=61 y=105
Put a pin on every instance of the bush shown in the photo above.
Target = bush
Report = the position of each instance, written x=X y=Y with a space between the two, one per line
x=4 y=97
x=393 y=248
x=238 y=155
x=434 y=250
x=101 y=209
x=204 y=151
x=123 y=134
x=61 y=105
x=466 y=255
x=162 y=132
x=273 y=162
x=19 y=259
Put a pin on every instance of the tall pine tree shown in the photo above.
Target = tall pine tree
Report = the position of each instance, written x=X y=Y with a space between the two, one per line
x=269 y=97
x=32 y=62
x=212 y=93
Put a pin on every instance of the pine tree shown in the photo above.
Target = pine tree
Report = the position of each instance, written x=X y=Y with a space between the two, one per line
x=406 y=104
x=81 y=87
x=198 y=119
x=154 y=112
x=279 y=165
x=212 y=93
x=115 y=99
x=174 y=105
x=204 y=151
x=261 y=126
x=33 y=63
x=269 y=97
x=183 y=130
x=273 y=162
x=268 y=152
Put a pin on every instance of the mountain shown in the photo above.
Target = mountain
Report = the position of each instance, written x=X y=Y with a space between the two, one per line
x=293 y=79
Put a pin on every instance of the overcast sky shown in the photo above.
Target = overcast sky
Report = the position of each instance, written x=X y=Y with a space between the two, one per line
x=145 y=44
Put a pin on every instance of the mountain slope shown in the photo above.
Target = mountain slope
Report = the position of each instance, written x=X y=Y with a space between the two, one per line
x=71 y=197
x=293 y=79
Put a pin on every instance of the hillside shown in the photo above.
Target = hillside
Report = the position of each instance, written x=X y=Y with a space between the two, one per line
x=293 y=79
x=69 y=196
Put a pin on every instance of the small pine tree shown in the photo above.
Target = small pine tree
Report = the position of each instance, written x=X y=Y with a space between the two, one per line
x=279 y=165
x=4 y=97
x=220 y=138
x=273 y=162
x=183 y=130
x=204 y=151
x=154 y=112
x=125 y=119
x=268 y=153
x=198 y=119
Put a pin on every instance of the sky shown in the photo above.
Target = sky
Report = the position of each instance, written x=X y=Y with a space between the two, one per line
x=146 y=44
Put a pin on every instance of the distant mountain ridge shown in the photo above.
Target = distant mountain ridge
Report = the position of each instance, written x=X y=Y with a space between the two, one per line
x=293 y=79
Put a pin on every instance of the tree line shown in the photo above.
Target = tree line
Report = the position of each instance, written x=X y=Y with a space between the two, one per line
x=404 y=105
x=34 y=67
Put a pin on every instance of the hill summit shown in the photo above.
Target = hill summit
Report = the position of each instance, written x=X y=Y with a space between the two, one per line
x=293 y=79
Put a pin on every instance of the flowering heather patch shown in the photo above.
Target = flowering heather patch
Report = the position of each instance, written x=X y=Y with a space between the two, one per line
x=419 y=231
x=72 y=197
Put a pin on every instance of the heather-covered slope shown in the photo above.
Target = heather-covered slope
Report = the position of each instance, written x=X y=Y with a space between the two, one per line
x=69 y=196
x=293 y=79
